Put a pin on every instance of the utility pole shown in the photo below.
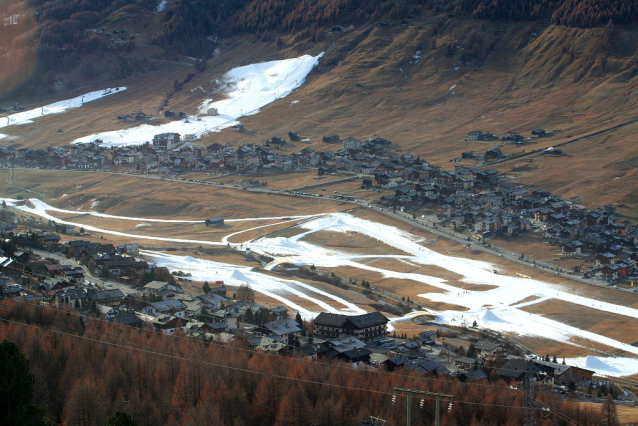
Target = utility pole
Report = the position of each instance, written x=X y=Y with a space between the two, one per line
x=530 y=401
x=438 y=396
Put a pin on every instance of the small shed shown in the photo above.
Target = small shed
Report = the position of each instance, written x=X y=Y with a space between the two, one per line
x=277 y=140
x=212 y=112
x=169 y=114
x=215 y=222
x=293 y=136
x=237 y=128
x=468 y=155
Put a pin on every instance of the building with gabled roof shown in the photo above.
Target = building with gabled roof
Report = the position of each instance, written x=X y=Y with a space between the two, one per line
x=159 y=289
x=168 y=324
x=173 y=307
x=365 y=327
x=488 y=349
x=109 y=297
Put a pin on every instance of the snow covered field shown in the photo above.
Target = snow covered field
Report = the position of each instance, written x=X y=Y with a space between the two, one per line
x=278 y=289
x=498 y=309
x=247 y=89
x=56 y=108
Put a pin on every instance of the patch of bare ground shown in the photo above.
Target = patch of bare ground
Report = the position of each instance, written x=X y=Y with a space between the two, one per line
x=409 y=328
x=614 y=326
x=348 y=295
x=543 y=346
x=351 y=243
x=189 y=231
x=346 y=96
x=288 y=232
x=406 y=266
x=451 y=248
x=527 y=299
x=283 y=181
x=530 y=245
x=398 y=286
x=608 y=295
x=599 y=348
x=440 y=306
x=126 y=195
x=215 y=255
x=626 y=415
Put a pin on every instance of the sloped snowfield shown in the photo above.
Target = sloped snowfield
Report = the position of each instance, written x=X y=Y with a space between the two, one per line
x=25 y=117
x=247 y=89
x=497 y=309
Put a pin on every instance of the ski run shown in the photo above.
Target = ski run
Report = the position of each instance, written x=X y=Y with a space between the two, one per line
x=246 y=90
x=498 y=309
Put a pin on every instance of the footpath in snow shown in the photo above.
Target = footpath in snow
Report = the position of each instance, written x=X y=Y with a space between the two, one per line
x=25 y=117
x=247 y=89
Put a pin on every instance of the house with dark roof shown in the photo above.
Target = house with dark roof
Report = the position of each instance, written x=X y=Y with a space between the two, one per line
x=10 y=291
x=356 y=355
x=229 y=315
x=131 y=320
x=472 y=376
x=308 y=351
x=365 y=327
x=395 y=362
x=214 y=327
x=343 y=344
x=72 y=296
x=165 y=307
x=212 y=302
x=106 y=312
x=10 y=267
x=272 y=344
x=110 y=297
x=427 y=337
x=487 y=349
x=159 y=289
x=564 y=373
x=168 y=324
x=426 y=366
x=280 y=312
x=515 y=369
x=286 y=328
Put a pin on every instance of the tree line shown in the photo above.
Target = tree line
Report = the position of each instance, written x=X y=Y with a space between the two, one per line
x=85 y=370
x=52 y=36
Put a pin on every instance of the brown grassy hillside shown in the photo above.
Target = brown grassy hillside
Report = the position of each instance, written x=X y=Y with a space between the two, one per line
x=472 y=74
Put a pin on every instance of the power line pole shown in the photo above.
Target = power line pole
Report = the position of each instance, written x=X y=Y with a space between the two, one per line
x=530 y=400
x=438 y=396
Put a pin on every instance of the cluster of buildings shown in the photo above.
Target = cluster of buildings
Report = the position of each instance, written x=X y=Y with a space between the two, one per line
x=172 y=153
x=483 y=203
x=487 y=361
x=165 y=307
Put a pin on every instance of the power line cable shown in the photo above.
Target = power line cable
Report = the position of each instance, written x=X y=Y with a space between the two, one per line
x=253 y=352
x=212 y=364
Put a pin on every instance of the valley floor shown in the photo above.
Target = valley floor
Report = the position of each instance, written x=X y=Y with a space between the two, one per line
x=457 y=285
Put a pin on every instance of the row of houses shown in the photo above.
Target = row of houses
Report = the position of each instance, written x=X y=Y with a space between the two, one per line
x=481 y=201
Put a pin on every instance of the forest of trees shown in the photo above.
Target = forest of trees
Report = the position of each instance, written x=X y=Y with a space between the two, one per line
x=189 y=22
x=595 y=13
x=51 y=36
x=85 y=372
